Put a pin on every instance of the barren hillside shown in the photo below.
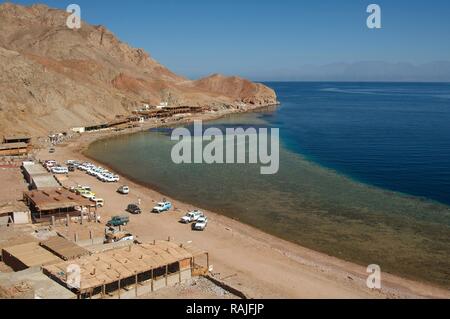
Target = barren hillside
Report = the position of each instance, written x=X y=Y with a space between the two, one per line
x=54 y=78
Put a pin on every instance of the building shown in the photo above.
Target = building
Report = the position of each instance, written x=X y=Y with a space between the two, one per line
x=38 y=177
x=31 y=169
x=162 y=105
x=27 y=255
x=13 y=236
x=16 y=139
x=14 y=149
x=131 y=271
x=14 y=213
x=41 y=182
x=57 y=203
x=96 y=127
x=79 y=130
x=63 y=248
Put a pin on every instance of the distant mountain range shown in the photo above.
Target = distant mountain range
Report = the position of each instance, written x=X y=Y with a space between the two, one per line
x=438 y=71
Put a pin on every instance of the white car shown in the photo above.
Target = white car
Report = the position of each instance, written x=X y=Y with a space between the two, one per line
x=109 y=178
x=85 y=166
x=200 y=224
x=124 y=190
x=60 y=170
x=191 y=217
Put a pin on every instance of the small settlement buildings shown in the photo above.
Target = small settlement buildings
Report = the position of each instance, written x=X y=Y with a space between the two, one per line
x=161 y=111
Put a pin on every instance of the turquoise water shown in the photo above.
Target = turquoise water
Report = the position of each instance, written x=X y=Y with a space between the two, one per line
x=317 y=206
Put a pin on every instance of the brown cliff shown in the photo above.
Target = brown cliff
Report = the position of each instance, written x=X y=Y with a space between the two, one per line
x=54 y=78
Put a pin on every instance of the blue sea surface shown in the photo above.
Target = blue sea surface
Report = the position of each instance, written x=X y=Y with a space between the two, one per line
x=392 y=135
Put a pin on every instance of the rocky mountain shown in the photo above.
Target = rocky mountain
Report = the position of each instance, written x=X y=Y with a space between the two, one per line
x=54 y=78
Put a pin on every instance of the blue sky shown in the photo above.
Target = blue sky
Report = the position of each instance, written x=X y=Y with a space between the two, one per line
x=262 y=38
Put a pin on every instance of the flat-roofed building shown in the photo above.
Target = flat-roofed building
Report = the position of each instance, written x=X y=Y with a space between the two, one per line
x=17 y=139
x=45 y=181
x=31 y=169
x=14 y=149
x=38 y=177
x=64 y=248
x=27 y=255
x=14 y=213
x=56 y=203
x=131 y=271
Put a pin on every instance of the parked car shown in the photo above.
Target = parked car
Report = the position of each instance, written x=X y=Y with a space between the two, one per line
x=49 y=165
x=191 y=217
x=118 y=221
x=87 y=194
x=134 y=209
x=124 y=190
x=200 y=224
x=162 y=207
x=80 y=190
x=76 y=164
x=71 y=168
x=84 y=188
x=118 y=237
x=99 y=202
x=60 y=170
x=52 y=150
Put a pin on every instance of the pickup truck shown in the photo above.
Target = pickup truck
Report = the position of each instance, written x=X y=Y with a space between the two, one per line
x=162 y=207
x=200 y=224
x=191 y=217
x=118 y=221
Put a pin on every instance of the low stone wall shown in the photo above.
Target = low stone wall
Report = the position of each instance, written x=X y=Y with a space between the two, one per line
x=227 y=287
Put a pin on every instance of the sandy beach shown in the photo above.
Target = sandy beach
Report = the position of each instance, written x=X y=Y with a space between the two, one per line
x=254 y=262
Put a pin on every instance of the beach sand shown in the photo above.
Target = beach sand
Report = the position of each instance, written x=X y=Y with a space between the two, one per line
x=254 y=262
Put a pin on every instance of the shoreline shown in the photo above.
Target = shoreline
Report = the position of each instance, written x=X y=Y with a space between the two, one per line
x=350 y=276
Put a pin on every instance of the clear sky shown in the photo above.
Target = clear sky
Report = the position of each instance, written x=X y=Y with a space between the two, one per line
x=255 y=37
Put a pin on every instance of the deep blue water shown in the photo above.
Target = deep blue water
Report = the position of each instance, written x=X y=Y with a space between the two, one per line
x=392 y=135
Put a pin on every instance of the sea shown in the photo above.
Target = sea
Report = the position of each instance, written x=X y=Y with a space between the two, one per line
x=364 y=173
